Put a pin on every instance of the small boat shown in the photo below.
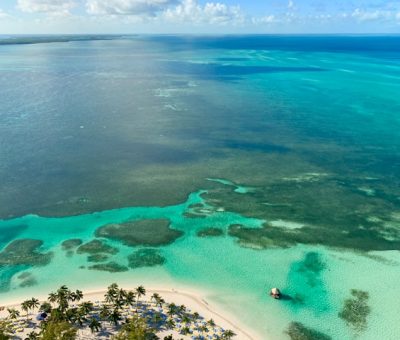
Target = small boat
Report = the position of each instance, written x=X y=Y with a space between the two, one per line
x=275 y=293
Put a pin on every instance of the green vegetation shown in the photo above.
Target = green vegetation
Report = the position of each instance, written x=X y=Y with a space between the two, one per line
x=356 y=310
x=96 y=247
x=24 y=252
x=71 y=244
x=297 y=331
x=210 y=232
x=146 y=258
x=151 y=232
x=58 y=331
x=136 y=328
x=112 y=267
x=5 y=330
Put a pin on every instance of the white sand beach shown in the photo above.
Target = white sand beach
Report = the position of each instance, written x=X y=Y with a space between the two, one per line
x=193 y=300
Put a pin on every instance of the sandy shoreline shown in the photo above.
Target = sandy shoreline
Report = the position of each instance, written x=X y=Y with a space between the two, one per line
x=195 y=300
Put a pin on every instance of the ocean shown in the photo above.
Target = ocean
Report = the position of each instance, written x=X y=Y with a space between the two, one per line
x=232 y=164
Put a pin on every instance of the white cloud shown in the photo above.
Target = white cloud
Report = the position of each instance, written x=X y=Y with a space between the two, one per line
x=211 y=13
x=268 y=19
x=46 y=6
x=363 y=15
x=3 y=14
x=128 y=7
x=290 y=4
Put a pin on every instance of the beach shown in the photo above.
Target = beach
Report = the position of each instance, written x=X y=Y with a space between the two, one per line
x=193 y=300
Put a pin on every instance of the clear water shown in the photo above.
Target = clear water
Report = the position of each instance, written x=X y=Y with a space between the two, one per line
x=302 y=132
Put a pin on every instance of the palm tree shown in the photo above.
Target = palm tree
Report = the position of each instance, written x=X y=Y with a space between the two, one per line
x=140 y=291
x=111 y=294
x=45 y=307
x=185 y=330
x=186 y=320
x=228 y=334
x=105 y=312
x=130 y=298
x=32 y=336
x=182 y=309
x=25 y=306
x=203 y=329
x=211 y=323
x=80 y=317
x=94 y=325
x=86 y=307
x=52 y=297
x=158 y=300
x=155 y=297
x=77 y=295
x=170 y=324
x=109 y=297
x=71 y=314
x=115 y=316
x=13 y=313
x=34 y=303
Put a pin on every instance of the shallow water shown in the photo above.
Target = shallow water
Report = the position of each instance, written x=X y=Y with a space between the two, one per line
x=295 y=140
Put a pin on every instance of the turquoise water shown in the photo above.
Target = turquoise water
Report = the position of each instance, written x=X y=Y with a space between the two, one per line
x=290 y=145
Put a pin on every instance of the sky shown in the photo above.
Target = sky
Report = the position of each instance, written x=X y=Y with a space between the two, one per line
x=199 y=16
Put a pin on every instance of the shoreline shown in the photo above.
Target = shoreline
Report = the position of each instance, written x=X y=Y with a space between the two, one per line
x=193 y=299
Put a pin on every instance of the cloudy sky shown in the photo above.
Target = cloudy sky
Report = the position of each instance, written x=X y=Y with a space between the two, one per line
x=199 y=16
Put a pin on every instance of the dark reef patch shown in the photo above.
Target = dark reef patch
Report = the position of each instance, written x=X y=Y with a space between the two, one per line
x=333 y=213
x=311 y=267
x=96 y=247
x=24 y=252
x=356 y=310
x=28 y=282
x=71 y=244
x=112 y=267
x=150 y=232
x=297 y=331
x=97 y=258
x=360 y=239
x=210 y=232
x=146 y=258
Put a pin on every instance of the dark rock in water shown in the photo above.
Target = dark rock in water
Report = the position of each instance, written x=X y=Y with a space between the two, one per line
x=150 y=232
x=97 y=258
x=356 y=310
x=111 y=267
x=210 y=232
x=24 y=275
x=297 y=331
x=146 y=258
x=29 y=282
x=27 y=279
x=71 y=244
x=96 y=247
x=24 y=252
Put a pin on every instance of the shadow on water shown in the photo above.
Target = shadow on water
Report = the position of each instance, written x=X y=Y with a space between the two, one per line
x=215 y=70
